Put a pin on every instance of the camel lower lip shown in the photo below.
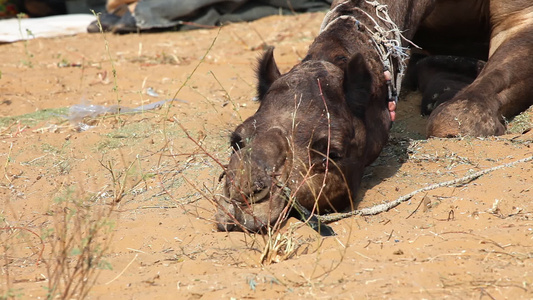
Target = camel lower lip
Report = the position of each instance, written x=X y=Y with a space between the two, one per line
x=260 y=196
x=265 y=198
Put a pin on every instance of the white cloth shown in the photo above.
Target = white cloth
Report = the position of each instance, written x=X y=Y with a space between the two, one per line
x=12 y=30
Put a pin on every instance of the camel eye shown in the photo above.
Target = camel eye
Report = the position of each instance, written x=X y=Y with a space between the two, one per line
x=333 y=155
x=236 y=141
x=341 y=59
x=320 y=148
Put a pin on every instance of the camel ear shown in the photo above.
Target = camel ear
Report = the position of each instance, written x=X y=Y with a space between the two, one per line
x=357 y=85
x=267 y=72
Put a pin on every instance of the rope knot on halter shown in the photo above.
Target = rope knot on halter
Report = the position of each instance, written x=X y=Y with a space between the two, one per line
x=387 y=40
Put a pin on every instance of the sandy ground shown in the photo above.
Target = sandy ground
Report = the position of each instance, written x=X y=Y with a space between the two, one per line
x=473 y=241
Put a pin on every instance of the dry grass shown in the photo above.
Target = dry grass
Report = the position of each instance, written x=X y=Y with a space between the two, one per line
x=145 y=164
x=79 y=239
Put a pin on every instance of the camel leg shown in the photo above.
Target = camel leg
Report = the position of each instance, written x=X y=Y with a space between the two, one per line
x=502 y=90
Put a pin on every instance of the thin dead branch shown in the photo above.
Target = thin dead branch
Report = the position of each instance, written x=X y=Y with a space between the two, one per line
x=39 y=258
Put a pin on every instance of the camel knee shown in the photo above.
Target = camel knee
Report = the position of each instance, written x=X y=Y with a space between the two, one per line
x=464 y=118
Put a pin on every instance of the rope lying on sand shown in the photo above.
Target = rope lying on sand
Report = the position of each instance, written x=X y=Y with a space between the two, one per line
x=383 y=207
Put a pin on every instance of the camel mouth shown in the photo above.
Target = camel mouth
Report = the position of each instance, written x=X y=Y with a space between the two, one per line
x=252 y=213
x=260 y=196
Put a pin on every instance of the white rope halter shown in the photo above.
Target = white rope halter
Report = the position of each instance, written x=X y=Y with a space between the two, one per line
x=387 y=42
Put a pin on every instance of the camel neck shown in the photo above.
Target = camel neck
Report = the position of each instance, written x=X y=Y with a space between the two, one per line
x=406 y=15
x=382 y=32
x=374 y=30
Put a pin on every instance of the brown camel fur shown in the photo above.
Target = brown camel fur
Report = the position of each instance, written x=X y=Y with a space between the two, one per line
x=322 y=122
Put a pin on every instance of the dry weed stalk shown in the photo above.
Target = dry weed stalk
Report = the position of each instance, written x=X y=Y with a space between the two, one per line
x=15 y=244
x=115 y=84
x=279 y=246
x=119 y=179
x=276 y=247
x=81 y=235
x=79 y=239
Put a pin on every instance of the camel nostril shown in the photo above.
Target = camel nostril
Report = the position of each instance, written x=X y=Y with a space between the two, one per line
x=259 y=186
x=260 y=195
x=225 y=226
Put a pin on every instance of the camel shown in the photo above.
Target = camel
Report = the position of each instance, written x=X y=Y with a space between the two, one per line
x=440 y=77
x=320 y=124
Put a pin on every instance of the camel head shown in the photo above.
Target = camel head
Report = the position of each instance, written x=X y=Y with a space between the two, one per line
x=305 y=143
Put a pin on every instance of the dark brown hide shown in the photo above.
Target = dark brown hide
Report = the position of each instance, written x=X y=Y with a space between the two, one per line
x=502 y=90
x=441 y=77
x=321 y=123
x=298 y=130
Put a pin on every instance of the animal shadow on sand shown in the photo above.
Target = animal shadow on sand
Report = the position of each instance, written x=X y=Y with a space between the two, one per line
x=408 y=128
